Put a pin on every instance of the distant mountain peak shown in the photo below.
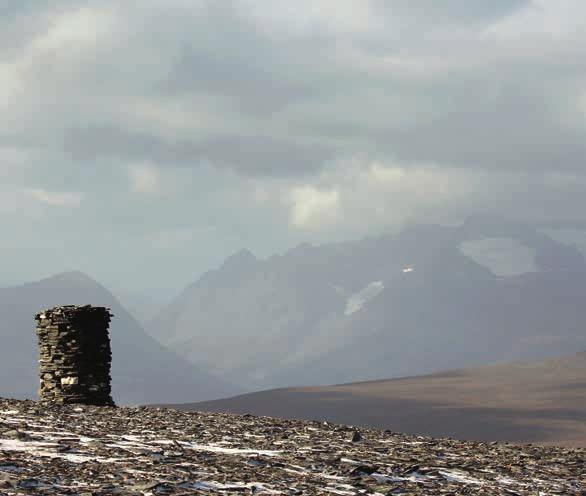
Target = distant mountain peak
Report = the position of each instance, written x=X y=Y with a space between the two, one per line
x=412 y=301
x=143 y=371
x=302 y=248
x=242 y=258
x=485 y=219
x=73 y=276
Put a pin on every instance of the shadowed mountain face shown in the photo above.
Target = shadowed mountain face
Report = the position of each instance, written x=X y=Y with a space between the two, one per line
x=143 y=371
x=424 y=300
x=541 y=402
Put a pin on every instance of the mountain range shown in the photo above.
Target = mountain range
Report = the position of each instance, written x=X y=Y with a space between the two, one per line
x=411 y=303
x=426 y=299
x=143 y=370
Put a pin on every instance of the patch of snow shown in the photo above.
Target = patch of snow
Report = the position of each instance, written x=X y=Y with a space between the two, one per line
x=228 y=451
x=43 y=449
x=232 y=486
x=296 y=472
x=508 y=481
x=128 y=437
x=412 y=477
x=459 y=476
x=27 y=446
x=72 y=457
x=330 y=476
x=357 y=301
x=341 y=492
x=406 y=270
x=133 y=447
x=59 y=436
x=345 y=486
x=248 y=434
x=502 y=256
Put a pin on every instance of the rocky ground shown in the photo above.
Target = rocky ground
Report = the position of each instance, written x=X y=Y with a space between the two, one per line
x=147 y=451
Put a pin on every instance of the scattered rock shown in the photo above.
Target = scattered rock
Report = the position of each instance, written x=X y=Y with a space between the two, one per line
x=137 y=452
x=15 y=434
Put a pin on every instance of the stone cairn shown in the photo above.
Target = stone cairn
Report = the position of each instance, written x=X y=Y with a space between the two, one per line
x=75 y=355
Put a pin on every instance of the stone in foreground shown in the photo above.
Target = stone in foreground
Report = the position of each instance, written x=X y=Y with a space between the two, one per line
x=87 y=450
x=75 y=355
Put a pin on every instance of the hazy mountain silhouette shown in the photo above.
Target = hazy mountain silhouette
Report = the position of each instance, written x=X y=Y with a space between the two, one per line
x=537 y=401
x=388 y=306
x=143 y=370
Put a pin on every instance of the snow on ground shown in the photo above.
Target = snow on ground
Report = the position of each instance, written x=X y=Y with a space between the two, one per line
x=54 y=450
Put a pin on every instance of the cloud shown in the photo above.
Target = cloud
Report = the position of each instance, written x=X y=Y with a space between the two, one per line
x=172 y=239
x=13 y=159
x=450 y=12
x=542 y=18
x=356 y=196
x=312 y=208
x=265 y=89
x=68 y=30
x=55 y=198
x=307 y=17
x=272 y=122
x=144 y=179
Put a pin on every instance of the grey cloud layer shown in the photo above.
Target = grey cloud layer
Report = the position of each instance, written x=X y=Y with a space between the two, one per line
x=315 y=119
x=174 y=83
x=451 y=11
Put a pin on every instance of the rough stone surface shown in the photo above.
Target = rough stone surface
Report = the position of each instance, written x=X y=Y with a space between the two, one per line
x=75 y=355
x=90 y=451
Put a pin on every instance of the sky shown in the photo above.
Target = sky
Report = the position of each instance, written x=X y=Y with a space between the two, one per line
x=143 y=142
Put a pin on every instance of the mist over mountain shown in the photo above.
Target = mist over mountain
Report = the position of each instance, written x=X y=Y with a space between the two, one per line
x=143 y=371
x=410 y=303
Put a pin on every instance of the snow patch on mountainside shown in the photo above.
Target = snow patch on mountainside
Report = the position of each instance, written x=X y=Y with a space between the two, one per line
x=356 y=301
x=502 y=256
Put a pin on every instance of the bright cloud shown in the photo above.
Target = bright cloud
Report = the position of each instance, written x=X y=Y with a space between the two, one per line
x=309 y=17
x=144 y=179
x=54 y=198
x=69 y=29
x=560 y=19
x=358 y=196
x=312 y=207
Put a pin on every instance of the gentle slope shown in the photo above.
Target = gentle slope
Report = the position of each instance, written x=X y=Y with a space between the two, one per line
x=543 y=402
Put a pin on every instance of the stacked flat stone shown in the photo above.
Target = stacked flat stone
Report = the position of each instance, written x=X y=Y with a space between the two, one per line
x=75 y=355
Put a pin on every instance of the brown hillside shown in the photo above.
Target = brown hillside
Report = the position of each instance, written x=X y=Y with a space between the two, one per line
x=540 y=402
